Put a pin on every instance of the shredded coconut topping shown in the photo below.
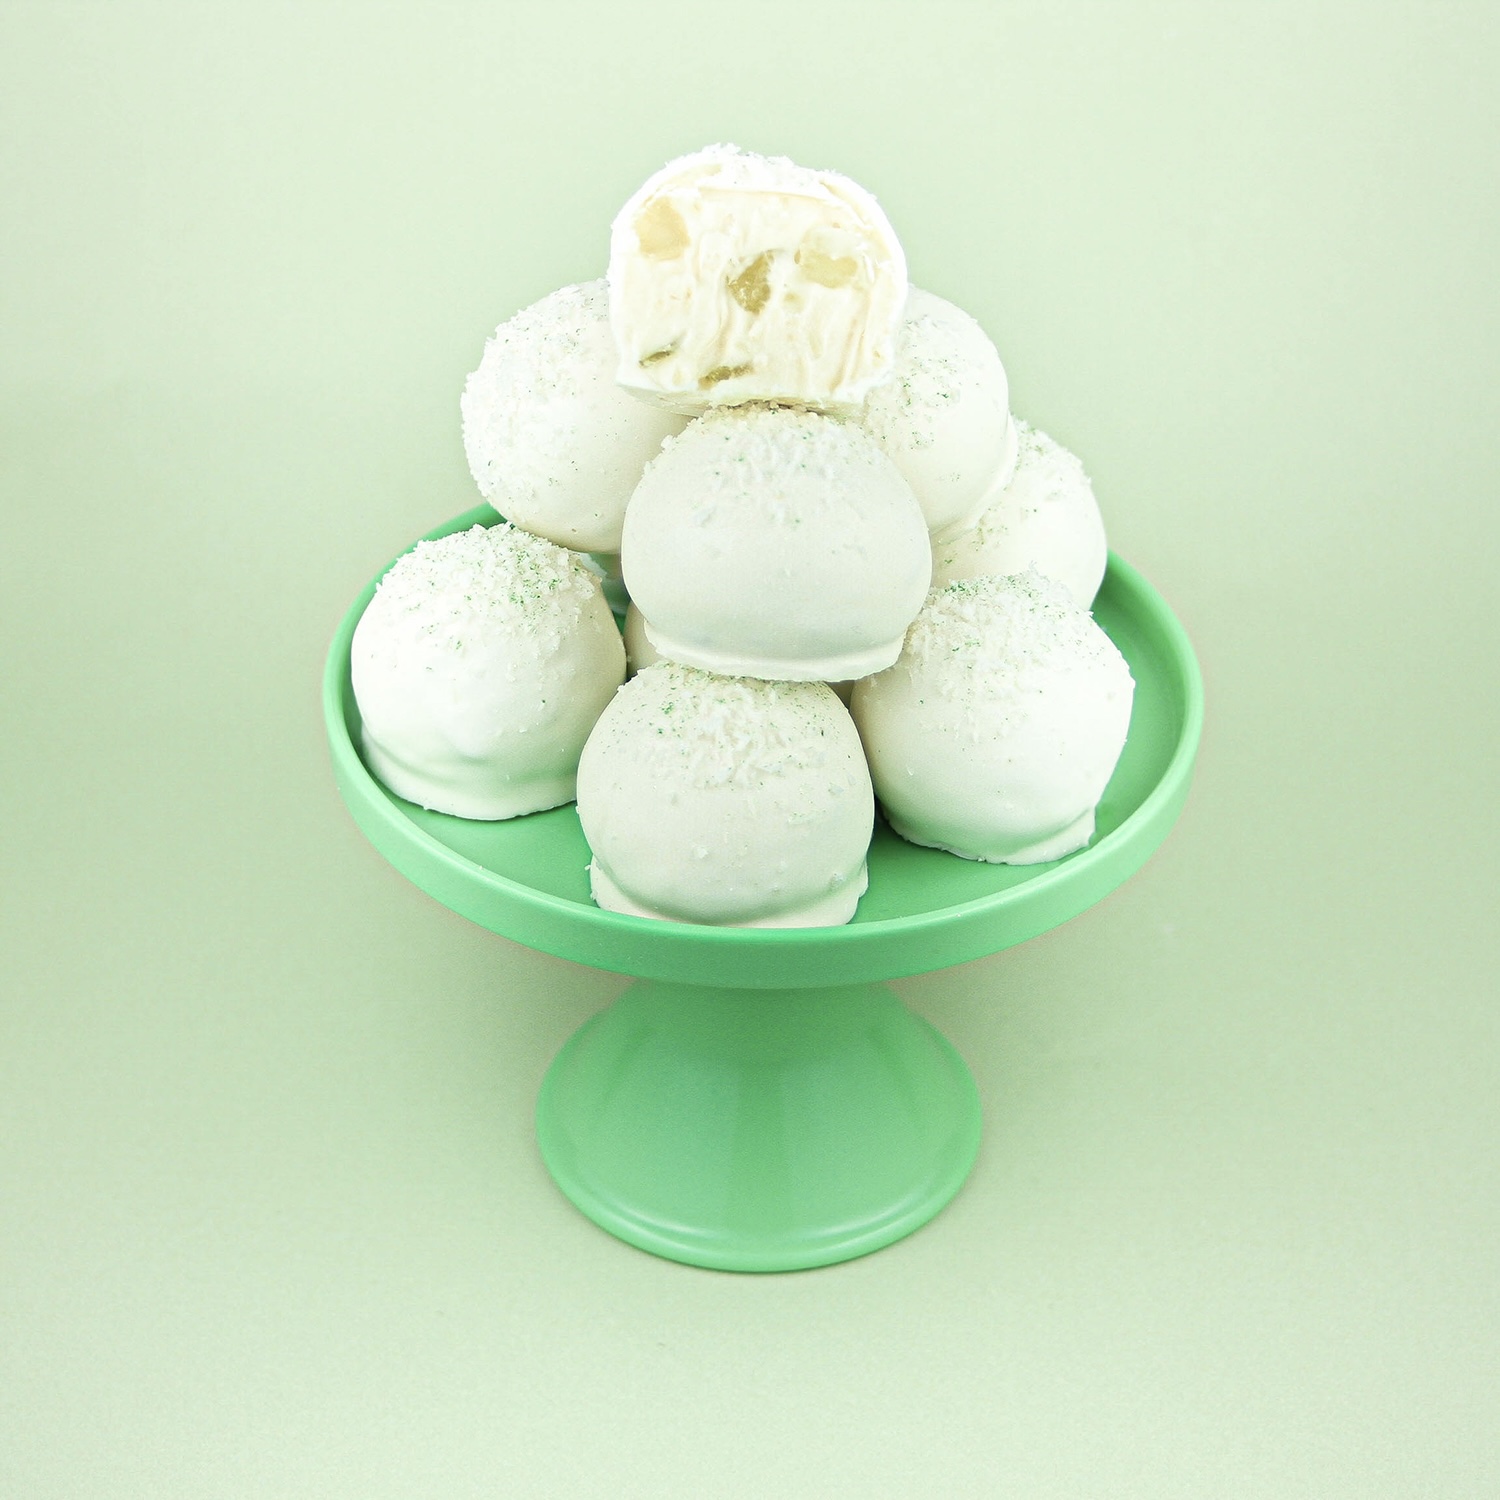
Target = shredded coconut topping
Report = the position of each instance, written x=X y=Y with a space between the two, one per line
x=443 y=592
x=710 y=731
x=758 y=451
x=992 y=638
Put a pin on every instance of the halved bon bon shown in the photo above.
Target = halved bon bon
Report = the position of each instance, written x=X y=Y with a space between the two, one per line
x=735 y=277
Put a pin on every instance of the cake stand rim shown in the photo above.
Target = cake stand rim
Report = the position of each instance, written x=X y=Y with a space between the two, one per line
x=684 y=952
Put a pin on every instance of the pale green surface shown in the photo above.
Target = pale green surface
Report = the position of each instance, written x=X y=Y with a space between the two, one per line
x=273 y=1218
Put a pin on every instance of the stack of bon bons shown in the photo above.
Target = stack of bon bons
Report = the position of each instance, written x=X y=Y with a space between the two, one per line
x=850 y=574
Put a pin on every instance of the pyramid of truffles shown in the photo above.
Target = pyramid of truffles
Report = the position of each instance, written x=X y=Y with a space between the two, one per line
x=846 y=574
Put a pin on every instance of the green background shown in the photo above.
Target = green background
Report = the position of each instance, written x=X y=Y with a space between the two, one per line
x=272 y=1219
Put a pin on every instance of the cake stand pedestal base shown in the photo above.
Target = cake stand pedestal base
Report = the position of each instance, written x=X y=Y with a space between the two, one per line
x=758 y=1130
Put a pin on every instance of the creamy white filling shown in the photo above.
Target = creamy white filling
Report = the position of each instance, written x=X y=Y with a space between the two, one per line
x=736 y=278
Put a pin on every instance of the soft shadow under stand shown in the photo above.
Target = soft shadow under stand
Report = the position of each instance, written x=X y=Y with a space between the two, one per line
x=760 y=1100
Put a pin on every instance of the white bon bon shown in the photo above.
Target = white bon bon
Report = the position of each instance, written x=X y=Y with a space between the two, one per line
x=479 y=668
x=727 y=801
x=944 y=415
x=1046 y=518
x=996 y=732
x=735 y=277
x=552 y=442
x=768 y=542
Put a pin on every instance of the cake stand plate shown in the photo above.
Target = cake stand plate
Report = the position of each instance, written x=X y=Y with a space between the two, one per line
x=761 y=1100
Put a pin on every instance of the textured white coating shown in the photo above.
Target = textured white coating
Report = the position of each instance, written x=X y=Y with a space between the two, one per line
x=1046 y=518
x=735 y=277
x=727 y=801
x=944 y=415
x=770 y=542
x=997 y=730
x=479 y=668
x=552 y=442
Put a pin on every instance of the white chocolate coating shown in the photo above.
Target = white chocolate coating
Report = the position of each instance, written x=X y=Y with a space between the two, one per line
x=552 y=442
x=639 y=652
x=944 y=415
x=726 y=801
x=775 y=543
x=735 y=277
x=479 y=667
x=995 y=734
x=1046 y=518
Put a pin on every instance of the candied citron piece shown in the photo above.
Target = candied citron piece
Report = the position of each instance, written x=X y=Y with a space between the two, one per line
x=751 y=288
x=661 y=232
x=827 y=270
x=721 y=373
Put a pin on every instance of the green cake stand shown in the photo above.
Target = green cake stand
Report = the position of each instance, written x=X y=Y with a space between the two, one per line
x=761 y=1100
